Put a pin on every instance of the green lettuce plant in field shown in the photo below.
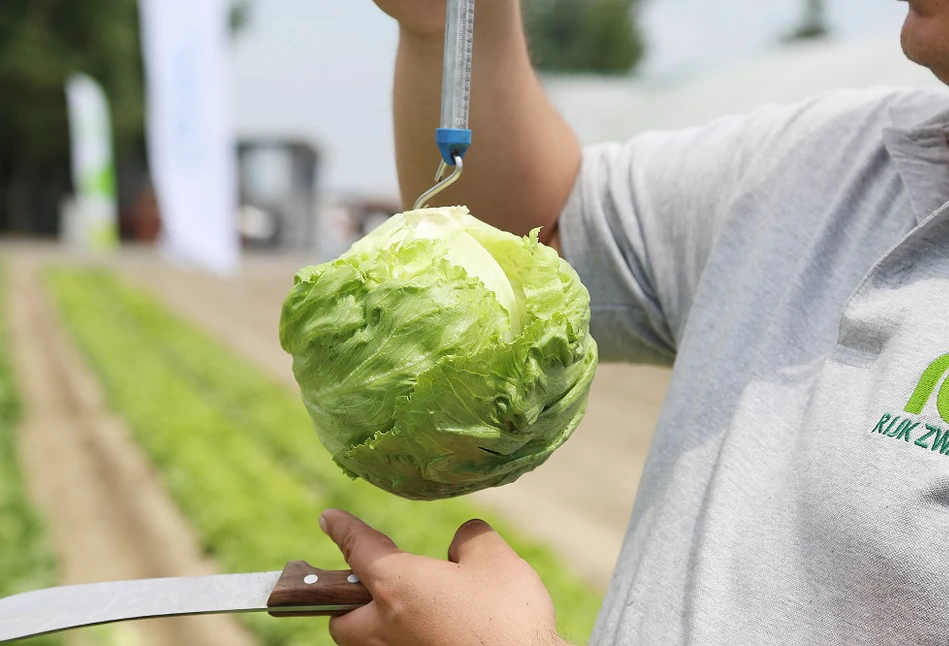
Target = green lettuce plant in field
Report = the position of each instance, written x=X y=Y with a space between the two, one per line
x=440 y=355
x=238 y=454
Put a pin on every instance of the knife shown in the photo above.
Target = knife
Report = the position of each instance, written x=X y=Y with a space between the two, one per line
x=300 y=590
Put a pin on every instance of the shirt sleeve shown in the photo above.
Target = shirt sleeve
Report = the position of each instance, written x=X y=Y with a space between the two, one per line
x=642 y=218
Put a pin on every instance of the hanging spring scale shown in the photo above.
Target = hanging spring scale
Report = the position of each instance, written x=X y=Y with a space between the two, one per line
x=453 y=137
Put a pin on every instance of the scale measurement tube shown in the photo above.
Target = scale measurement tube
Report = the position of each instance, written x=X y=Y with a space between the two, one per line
x=456 y=75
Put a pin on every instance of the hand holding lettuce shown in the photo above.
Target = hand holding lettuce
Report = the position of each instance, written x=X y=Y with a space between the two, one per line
x=440 y=355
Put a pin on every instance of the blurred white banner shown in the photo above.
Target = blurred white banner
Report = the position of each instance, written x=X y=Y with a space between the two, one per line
x=91 y=220
x=191 y=141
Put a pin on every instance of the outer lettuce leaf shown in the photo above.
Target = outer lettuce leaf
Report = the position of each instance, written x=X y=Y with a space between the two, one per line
x=360 y=337
x=483 y=421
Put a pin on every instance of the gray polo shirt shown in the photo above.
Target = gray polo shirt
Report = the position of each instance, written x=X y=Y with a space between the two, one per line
x=794 y=265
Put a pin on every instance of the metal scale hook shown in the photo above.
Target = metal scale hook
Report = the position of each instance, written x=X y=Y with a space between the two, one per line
x=441 y=184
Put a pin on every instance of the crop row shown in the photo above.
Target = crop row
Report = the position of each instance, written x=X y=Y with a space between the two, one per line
x=239 y=455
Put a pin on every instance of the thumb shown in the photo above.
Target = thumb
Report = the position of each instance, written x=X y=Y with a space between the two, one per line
x=477 y=541
x=362 y=546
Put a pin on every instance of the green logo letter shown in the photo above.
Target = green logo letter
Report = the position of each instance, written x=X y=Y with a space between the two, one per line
x=926 y=386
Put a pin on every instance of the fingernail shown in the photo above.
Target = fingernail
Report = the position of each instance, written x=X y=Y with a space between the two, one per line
x=323 y=523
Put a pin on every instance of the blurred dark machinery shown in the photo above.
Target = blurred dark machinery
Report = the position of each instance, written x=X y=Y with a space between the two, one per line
x=277 y=179
x=280 y=205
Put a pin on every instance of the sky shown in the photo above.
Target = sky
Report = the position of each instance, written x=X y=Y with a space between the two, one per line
x=689 y=34
x=322 y=69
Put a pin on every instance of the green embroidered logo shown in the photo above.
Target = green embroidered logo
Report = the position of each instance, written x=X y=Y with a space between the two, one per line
x=930 y=437
x=926 y=386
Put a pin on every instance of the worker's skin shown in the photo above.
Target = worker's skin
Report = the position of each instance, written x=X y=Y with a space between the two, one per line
x=518 y=175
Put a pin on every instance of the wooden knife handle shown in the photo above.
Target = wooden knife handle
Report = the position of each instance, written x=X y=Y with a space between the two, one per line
x=301 y=585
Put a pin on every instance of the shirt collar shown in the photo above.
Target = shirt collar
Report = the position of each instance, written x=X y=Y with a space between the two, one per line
x=918 y=141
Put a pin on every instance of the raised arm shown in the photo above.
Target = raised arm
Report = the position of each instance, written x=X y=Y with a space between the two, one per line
x=524 y=157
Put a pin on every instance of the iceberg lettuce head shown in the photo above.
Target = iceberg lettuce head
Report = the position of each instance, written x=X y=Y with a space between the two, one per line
x=439 y=355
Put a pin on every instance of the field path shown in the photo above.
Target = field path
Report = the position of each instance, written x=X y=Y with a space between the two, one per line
x=106 y=509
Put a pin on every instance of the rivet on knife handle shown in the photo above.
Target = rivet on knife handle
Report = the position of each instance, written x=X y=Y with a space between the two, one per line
x=302 y=586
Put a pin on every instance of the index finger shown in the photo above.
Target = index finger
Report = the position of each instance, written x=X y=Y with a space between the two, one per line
x=362 y=546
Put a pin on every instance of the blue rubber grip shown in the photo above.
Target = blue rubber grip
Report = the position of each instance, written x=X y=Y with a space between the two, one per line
x=452 y=142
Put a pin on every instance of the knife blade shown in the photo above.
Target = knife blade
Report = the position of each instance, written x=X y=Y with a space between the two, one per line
x=300 y=590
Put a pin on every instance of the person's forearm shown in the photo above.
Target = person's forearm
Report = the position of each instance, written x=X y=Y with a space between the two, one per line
x=524 y=157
